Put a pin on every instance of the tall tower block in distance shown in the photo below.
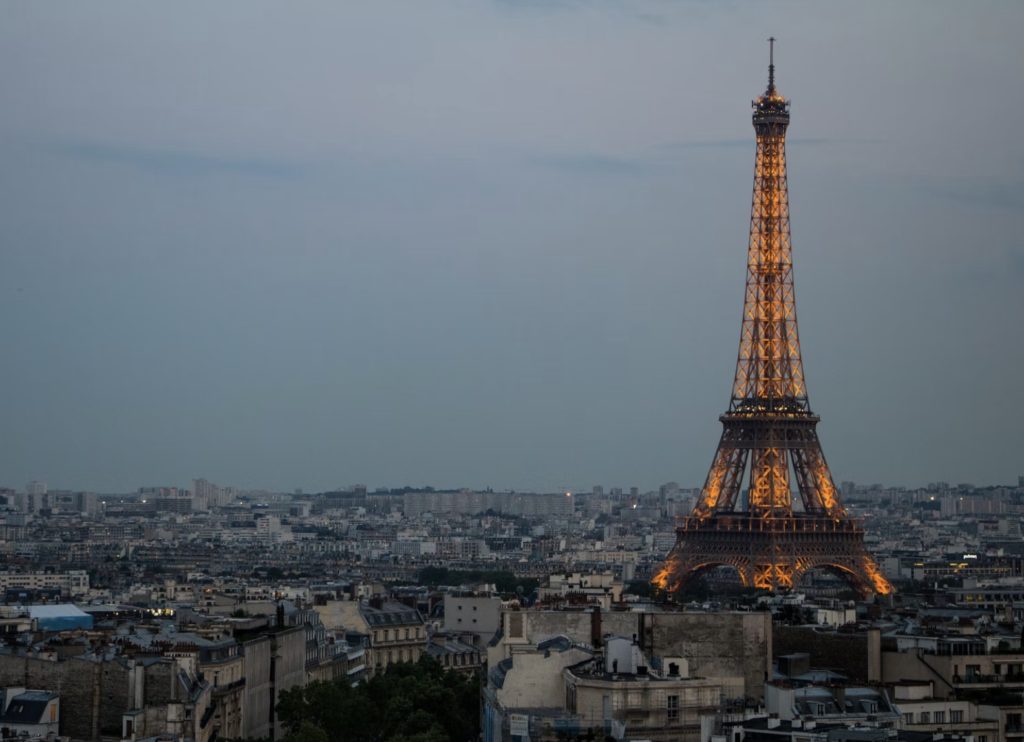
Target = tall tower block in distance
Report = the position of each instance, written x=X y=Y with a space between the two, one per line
x=769 y=429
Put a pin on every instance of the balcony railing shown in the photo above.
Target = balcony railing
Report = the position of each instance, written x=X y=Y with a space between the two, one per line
x=1017 y=677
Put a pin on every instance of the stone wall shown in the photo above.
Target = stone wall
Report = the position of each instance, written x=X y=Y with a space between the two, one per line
x=162 y=685
x=289 y=665
x=719 y=644
x=258 y=688
x=93 y=695
x=114 y=692
x=716 y=644
x=846 y=654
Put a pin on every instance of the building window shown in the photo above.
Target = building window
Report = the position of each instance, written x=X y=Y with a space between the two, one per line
x=515 y=625
x=908 y=718
x=926 y=717
x=939 y=717
x=956 y=716
x=672 y=704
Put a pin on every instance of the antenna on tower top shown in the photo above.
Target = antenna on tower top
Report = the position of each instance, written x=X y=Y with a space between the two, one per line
x=771 y=64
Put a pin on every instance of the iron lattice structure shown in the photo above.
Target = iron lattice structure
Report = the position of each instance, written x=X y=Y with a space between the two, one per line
x=769 y=429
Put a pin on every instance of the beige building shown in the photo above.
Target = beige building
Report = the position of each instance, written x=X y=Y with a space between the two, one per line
x=560 y=687
x=633 y=673
x=662 y=704
x=224 y=669
x=920 y=711
x=714 y=644
x=396 y=631
x=532 y=677
x=469 y=613
x=959 y=666
x=601 y=589
x=453 y=653
x=73 y=583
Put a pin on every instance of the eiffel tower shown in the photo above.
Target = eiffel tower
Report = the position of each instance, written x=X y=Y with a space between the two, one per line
x=768 y=537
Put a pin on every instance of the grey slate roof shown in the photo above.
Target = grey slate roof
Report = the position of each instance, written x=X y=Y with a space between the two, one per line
x=27 y=707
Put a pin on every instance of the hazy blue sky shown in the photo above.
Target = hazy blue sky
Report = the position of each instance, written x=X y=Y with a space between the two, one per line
x=502 y=243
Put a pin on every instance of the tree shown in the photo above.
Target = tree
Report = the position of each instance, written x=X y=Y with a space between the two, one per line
x=307 y=732
x=411 y=702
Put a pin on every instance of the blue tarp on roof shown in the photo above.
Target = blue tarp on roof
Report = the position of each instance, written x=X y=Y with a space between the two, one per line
x=63 y=617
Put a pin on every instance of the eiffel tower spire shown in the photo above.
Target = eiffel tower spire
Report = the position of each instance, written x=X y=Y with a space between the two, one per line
x=769 y=432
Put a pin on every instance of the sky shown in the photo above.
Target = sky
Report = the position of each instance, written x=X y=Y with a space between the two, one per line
x=471 y=243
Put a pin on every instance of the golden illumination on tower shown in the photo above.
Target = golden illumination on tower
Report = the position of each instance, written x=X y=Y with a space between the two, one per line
x=878 y=582
x=712 y=487
x=769 y=437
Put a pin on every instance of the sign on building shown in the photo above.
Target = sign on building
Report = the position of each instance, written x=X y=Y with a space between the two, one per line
x=519 y=725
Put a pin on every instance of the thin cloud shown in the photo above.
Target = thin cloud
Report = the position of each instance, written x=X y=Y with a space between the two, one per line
x=594 y=164
x=177 y=163
x=628 y=9
x=986 y=192
x=747 y=143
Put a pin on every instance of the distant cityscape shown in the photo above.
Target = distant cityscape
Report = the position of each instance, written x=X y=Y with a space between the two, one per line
x=170 y=601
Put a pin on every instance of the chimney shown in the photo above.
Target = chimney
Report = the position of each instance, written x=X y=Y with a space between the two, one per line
x=595 y=627
x=840 y=696
x=874 y=655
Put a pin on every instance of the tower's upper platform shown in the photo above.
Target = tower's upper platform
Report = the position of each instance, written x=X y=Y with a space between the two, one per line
x=771 y=107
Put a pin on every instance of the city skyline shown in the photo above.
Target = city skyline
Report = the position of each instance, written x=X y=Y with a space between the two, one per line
x=613 y=489
x=220 y=265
